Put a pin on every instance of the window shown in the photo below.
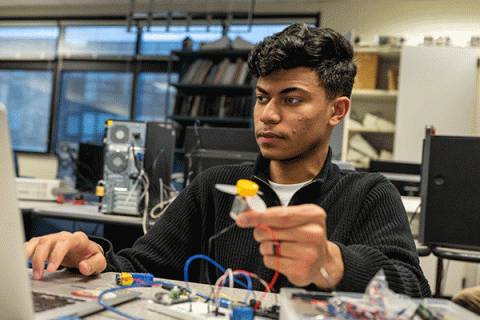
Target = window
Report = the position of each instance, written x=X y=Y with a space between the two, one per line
x=159 y=41
x=27 y=95
x=28 y=42
x=155 y=97
x=99 y=40
x=254 y=33
x=90 y=98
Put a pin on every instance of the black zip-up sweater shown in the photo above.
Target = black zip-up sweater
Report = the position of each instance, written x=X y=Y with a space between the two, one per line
x=365 y=218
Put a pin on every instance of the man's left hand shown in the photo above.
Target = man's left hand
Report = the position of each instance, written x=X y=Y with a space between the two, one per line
x=304 y=248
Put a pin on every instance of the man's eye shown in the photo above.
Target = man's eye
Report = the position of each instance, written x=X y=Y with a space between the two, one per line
x=292 y=100
x=261 y=99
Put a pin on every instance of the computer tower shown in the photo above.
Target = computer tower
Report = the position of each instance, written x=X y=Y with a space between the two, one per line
x=450 y=192
x=124 y=161
x=159 y=156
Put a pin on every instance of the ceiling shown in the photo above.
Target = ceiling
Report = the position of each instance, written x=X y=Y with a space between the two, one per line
x=81 y=8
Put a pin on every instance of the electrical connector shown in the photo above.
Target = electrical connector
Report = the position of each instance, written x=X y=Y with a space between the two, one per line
x=124 y=278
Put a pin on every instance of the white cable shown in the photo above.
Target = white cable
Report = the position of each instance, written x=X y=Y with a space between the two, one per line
x=145 y=215
x=160 y=183
x=227 y=273
x=133 y=188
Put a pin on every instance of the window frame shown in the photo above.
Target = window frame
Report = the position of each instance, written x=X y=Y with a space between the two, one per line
x=136 y=63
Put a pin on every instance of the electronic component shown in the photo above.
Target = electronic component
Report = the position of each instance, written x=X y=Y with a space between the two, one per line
x=242 y=313
x=172 y=296
x=125 y=278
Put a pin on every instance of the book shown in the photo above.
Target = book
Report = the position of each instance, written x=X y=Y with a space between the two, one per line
x=221 y=70
x=195 y=105
x=238 y=68
x=221 y=106
x=229 y=73
x=186 y=106
x=243 y=73
x=202 y=72
x=187 y=78
x=211 y=74
x=179 y=99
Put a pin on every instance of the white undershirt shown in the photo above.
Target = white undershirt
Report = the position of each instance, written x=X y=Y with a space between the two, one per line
x=286 y=191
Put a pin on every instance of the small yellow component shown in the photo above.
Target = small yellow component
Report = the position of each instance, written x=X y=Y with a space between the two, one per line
x=109 y=122
x=124 y=279
x=100 y=191
x=246 y=188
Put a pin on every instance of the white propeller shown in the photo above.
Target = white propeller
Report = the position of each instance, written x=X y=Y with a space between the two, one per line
x=256 y=203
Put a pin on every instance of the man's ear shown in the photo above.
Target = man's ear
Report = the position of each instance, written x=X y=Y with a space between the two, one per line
x=340 y=107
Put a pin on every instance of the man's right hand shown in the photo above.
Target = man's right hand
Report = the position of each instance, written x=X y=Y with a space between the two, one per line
x=71 y=250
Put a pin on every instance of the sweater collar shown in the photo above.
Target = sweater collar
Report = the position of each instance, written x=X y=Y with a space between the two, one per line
x=262 y=164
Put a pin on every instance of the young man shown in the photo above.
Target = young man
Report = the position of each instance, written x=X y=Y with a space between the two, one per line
x=348 y=224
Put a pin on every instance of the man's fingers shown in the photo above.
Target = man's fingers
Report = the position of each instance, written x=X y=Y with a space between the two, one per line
x=282 y=217
x=63 y=248
x=93 y=265
x=29 y=247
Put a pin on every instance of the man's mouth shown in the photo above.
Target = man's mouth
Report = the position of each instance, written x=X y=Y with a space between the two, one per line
x=268 y=136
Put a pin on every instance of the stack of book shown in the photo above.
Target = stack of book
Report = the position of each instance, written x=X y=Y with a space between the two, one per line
x=206 y=72
x=219 y=106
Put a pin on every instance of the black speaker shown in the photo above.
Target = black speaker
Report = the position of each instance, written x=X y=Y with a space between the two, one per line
x=450 y=192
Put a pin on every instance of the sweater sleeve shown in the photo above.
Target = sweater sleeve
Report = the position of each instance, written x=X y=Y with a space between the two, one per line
x=381 y=239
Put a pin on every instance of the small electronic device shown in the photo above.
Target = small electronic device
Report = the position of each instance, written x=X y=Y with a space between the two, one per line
x=37 y=189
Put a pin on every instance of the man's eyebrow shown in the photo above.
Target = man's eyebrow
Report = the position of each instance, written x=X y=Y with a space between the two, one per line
x=284 y=91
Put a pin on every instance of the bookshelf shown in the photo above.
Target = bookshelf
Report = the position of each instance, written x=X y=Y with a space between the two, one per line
x=369 y=128
x=214 y=88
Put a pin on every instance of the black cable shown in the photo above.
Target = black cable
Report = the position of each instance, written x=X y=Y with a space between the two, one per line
x=210 y=240
x=417 y=211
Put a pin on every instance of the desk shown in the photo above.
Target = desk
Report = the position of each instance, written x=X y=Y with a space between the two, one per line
x=122 y=231
x=142 y=308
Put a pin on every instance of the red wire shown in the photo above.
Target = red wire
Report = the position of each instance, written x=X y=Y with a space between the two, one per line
x=275 y=276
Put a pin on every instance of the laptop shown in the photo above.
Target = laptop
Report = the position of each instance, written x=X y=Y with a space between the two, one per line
x=68 y=294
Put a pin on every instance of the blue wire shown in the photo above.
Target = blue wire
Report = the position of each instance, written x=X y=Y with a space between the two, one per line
x=185 y=274
x=109 y=307
x=197 y=256
x=135 y=285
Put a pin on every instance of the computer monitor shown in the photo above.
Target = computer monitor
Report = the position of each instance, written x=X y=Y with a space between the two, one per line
x=405 y=176
x=206 y=147
x=450 y=192
x=88 y=167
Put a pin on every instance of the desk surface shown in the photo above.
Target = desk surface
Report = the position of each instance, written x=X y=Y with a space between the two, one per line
x=68 y=211
x=145 y=308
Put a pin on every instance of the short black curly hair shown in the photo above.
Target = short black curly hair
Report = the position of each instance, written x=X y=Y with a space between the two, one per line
x=322 y=49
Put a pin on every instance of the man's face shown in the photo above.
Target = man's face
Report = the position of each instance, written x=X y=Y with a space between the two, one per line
x=291 y=114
